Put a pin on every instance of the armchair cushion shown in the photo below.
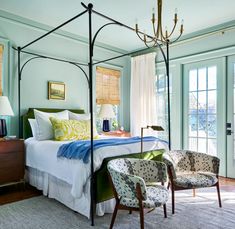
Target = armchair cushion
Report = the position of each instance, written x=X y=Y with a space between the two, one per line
x=156 y=196
x=195 y=180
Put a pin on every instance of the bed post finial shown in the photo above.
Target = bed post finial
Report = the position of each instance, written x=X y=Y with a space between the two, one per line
x=90 y=5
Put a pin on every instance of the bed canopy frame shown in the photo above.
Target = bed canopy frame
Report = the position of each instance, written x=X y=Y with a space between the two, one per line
x=89 y=77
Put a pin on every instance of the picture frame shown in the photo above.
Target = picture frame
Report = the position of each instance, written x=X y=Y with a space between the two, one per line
x=56 y=90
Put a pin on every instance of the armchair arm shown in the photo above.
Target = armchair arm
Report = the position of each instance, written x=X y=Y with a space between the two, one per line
x=125 y=184
x=150 y=171
x=170 y=164
x=206 y=163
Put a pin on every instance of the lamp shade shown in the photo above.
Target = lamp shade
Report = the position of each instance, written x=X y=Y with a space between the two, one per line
x=106 y=111
x=5 y=107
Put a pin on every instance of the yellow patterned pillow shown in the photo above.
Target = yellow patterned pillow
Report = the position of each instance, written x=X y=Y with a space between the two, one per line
x=71 y=129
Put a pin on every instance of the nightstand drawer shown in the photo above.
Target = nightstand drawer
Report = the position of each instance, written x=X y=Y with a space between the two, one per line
x=11 y=167
x=11 y=145
x=12 y=161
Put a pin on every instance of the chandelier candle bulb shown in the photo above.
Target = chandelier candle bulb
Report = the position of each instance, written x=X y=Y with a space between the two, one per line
x=176 y=18
x=153 y=15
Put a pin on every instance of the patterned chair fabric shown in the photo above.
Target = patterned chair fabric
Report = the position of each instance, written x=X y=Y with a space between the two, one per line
x=126 y=173
x=192 y=169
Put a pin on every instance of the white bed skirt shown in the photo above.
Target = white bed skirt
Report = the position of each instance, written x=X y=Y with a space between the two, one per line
x=61 y=191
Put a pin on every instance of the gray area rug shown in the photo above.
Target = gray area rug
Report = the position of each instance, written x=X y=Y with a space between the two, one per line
x=197 y=212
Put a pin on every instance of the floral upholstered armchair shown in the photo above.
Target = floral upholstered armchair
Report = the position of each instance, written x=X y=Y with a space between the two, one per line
x=129 y=177
x=191 y=170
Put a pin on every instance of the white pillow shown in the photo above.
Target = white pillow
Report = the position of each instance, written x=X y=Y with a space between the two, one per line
x=74 y=116
x=34 y=126
x=45 y=130
x=79 y=117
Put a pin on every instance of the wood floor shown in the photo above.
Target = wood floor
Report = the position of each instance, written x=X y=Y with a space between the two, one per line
x=9 y=194
x=18 y=192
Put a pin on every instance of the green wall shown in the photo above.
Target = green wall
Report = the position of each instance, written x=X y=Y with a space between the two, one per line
x=17 y=31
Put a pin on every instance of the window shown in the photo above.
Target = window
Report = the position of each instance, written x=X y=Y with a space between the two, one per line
x=162 y=104
x=107 y=92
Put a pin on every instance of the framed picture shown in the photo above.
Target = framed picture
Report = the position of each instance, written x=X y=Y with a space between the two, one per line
x=56 y=90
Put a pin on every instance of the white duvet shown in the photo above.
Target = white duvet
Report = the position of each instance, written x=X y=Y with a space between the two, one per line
x=42 y=155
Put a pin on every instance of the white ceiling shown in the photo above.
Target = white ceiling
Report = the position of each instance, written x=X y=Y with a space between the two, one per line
x=197 y=15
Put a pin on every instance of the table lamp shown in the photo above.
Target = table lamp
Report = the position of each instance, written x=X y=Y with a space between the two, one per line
x=106 y=112
x=156 y=128
x=5 y=110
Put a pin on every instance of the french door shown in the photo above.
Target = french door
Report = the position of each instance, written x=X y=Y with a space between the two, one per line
x=204 y=113
x=231 y=117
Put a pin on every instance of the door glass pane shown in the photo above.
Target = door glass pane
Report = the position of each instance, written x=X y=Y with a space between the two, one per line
x=202 y=102
x=202 y=110
x=202 y=79
x=212 y=147
x=202 y=145
x=211 y=126
x=212 y=102
x=193 y=144
x=202 y=130
x=193 y=102
x=212 y=77
x=193 y=80
x=193 y=125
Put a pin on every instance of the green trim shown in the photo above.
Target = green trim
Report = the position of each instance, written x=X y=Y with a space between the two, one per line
x=46 y=28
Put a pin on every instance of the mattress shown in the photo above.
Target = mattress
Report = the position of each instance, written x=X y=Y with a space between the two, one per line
x=42 y=156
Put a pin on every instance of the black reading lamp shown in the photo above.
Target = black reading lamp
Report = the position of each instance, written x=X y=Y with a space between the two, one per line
x=5 y=110
x=156 y=128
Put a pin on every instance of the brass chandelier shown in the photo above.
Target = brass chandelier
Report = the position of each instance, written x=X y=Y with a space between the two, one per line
x=159 y=37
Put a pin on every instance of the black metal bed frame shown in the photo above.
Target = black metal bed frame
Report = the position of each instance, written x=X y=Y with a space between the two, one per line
x=88 y=9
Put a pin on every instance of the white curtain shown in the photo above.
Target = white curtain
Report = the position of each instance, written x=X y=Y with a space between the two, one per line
x=143 y=97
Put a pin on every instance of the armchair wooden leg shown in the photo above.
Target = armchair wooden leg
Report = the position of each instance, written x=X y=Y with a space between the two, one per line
x=141 y=215
x=130 y=211
x=194 y=192
x=168 y=186
x=218 y=192
x=165 y=212
x=173 y=199
x=114 y=215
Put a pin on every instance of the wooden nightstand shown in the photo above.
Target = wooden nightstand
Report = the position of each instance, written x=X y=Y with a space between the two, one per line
x=117 y=133
x=12 y=162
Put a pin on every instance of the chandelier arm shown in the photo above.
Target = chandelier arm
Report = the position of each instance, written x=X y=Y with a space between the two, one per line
x=140 y=37
x=172 y=31
x=171 y=42
x=144 y=40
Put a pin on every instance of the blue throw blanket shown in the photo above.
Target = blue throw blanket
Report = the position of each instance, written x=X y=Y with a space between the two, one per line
x=81 y=149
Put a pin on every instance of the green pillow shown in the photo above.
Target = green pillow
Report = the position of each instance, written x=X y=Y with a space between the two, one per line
x=71 y=129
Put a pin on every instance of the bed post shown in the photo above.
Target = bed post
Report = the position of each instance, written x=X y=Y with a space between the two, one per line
x=168 y=93
x=90 y=6
x=19 y=92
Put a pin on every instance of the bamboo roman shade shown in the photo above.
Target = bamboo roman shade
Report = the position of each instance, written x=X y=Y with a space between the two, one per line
x=107 y=86
x=1 y=53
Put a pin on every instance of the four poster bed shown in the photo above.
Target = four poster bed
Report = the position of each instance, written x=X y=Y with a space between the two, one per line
x=60 y=178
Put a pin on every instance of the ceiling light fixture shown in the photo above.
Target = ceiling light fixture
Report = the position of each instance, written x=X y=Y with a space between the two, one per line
x=158 y=35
